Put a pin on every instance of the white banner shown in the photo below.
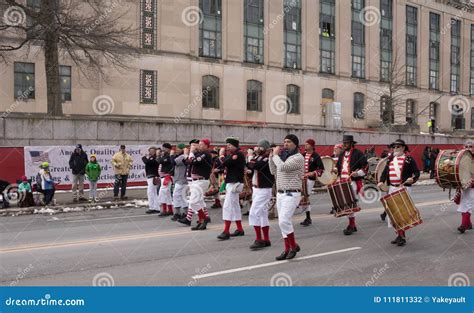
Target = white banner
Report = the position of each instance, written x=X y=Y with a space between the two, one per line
x=58 y=159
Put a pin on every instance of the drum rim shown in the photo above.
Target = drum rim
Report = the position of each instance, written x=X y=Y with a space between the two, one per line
x=456 y=164
x=402 y=188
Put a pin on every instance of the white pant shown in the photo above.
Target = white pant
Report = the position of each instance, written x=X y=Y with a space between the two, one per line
x=467 y=201
x=231 y=207
x=197 y=189
x=164 y=196
x=179 y=195
x=286 y=206
x=393 y=189
x=258 y=215
x=356 y=195
x=152 y=195
x=309 y=185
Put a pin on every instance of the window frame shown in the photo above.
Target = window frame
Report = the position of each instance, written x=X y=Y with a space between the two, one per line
x=259 y=95
x=211 y=85
x=25 y=94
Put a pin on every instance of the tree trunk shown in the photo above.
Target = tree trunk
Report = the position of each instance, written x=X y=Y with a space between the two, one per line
x=51 y=60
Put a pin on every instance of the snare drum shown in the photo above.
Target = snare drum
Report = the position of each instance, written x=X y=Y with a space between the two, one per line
x=453 y=168
x=401 y=210
x=343 y=198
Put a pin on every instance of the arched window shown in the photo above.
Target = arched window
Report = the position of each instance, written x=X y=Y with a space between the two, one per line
x=293 y=99
x=210 y=92
x=328 y=94
x=254 y=95
x=359 y=111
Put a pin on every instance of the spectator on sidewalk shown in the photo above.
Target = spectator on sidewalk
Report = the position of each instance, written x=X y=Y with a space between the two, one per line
x=433 y=155
x=425 y=157
x=122 y=162
x=77 y=164
x=45 y=184
x=3 y=186
x=93 y=171
x=25 y=193
x=152 y=180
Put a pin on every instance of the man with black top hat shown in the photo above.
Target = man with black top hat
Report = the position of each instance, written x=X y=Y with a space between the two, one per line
x=401 y=170
x=165 y=171
x=200 y=164
x=352 y=165
x=313 y=167
x=288 y=167
x=234 y=164
x=262 y=182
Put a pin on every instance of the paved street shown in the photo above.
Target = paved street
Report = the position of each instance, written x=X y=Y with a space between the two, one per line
x=132 y=248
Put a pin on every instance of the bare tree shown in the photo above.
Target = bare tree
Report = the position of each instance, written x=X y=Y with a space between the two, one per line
x=91 y=33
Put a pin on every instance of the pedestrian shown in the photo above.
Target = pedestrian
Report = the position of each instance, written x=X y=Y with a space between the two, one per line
x=165 y=171
x=152 y=180
x=93 y=171
x=25 y=193
x=425 y=157
x=180 y=205
x=122 y=162
x=433 y=155
x=77 y=164
x=45 y=183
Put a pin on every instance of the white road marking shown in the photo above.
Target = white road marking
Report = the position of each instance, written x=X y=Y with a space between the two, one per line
x=107 y=218
x=249 y=268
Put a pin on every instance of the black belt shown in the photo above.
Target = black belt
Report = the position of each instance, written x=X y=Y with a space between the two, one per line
x=194 y=179
x=395 y=185
x=289 y=190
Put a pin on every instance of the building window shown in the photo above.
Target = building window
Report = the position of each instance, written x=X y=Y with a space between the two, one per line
x=148 y=87
x=411 y=112
x=254 y=95
x=359 y=105
x=358 y=39
x=386 y=29
x=210 y=92
x=293 y=99
x=327 y=95
x=472 y=62
x=327 y=39
x=210 y=29
x=434 y=51
x=65 y=82
x=455 y=54
x=411 y=44
x=24 y=80
x=433 y=114
x=148 y=24
x=292 y=33
x=386 y=111
x=253 y=31
x=472 y=117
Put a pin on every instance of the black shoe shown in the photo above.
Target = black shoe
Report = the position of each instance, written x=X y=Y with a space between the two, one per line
x=462 y=229
x=306 y=222
x=401 y=242
x=267 y=243
x=175 y=217
x=123 y=198
x=282 y=256
x=223 y=236
x=298 y=248
x=207 y=220
x=292 y=253
x=82 y=199
x=395 y=241
x=383 y=216
x=349 y=230
x=246 y=213
x=152 y=212
x=332 y=211
x=163 y=214
x=237 y=233
x=184 y=215
x=197 y=227
x=184 y=221
x=258 y=244
x=216 y=206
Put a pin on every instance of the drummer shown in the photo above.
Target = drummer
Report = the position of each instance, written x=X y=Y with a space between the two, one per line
x=465 y=197
x=401 y=170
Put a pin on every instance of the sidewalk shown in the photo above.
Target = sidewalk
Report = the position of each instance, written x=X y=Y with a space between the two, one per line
x=137 y=197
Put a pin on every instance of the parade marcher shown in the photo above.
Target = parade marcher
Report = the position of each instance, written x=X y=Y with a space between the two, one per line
x=165 y=171
x=262 y=182
x=122 y=163
x=313 y=167
x=180 y=204
x=288 y=167
x=45 y=183
x=352 y=165
x=234 y=164
x=464 y=198
x=199 y=164
x=77 y=164
x=152 y=180
x=401 y=170
x=93 y=171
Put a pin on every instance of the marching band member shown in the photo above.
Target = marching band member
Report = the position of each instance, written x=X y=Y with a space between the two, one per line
x=288 y=167
x=465 y=197
x=180 y=183
x=199 y=164
x=313 y=167
x=165 y=171
x=352 y=165
x=234 y=164
x=151 y=171
x=401 y=170
x=262 y=182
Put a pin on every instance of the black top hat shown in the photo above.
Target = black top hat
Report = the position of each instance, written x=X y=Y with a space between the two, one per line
x=399 y=142
x=348 y=138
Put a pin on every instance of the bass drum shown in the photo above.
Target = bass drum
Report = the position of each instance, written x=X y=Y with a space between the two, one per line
x=328 y=177
x=378 y=173
x=453 y=169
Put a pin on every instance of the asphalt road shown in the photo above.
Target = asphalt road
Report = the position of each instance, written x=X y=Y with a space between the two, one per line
x=127 y=247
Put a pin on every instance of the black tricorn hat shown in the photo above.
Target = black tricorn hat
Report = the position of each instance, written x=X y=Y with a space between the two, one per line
x=348 y=138
x=399 y=142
